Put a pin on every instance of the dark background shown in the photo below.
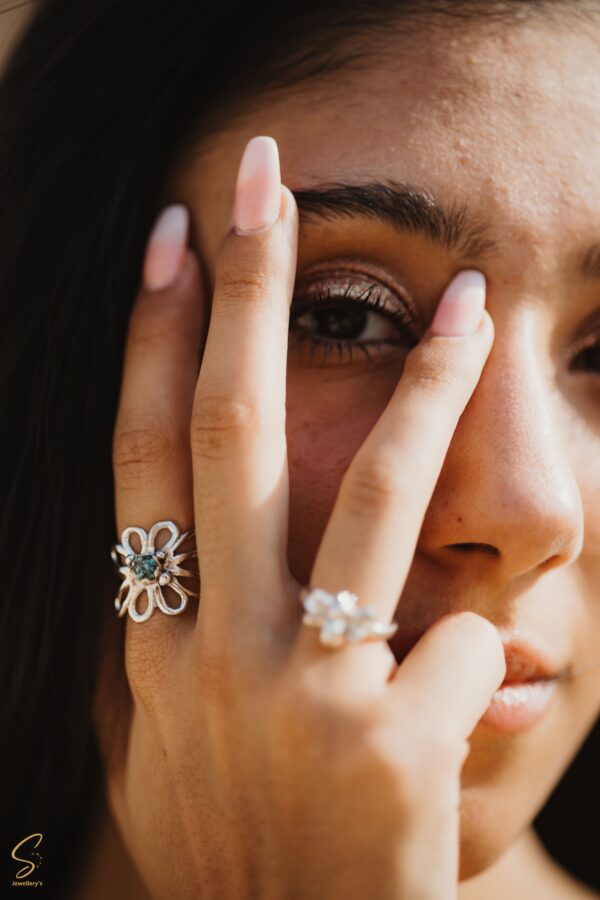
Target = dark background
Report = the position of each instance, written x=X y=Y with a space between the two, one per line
x=569 y=824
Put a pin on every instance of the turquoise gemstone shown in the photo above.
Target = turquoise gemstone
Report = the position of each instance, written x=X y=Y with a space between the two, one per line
x=145 y=566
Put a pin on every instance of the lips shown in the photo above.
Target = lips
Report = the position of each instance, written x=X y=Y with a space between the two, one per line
x=525 y=661
x=530 y=682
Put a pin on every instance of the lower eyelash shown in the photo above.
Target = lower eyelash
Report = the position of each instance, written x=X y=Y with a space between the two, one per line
x=328 y=346
x=366 y=300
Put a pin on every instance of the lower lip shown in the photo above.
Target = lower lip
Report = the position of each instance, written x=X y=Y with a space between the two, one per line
x=517 y=707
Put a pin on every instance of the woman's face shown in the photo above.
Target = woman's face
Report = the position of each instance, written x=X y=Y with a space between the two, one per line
x=499 y=125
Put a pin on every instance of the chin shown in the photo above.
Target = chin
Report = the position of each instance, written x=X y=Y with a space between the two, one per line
x=499 y=800
x=487 y=830
x=507 y=779
x=482 y=841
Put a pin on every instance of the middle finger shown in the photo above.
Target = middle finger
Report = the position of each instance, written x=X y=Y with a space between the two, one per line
x=238 y=419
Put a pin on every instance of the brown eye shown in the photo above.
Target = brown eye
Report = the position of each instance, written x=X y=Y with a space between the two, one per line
x=342 y=315
x=588 y=359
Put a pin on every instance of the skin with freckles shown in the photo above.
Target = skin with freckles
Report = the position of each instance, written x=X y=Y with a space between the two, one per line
x=502 y=120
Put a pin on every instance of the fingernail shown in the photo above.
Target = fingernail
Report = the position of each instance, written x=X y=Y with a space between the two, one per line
x=165 y=248
x=461 y=308
x=258 y=187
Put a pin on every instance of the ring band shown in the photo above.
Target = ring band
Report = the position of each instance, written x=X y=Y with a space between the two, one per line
x=340 y=619
x=153 y=568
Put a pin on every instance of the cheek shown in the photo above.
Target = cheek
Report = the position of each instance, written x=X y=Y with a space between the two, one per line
x=591 y=507
x=328 y=416
x=586 y=600
x=583 y=455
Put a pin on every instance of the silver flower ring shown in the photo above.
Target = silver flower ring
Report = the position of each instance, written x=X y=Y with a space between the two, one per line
x=150 y=570
x=340 y=619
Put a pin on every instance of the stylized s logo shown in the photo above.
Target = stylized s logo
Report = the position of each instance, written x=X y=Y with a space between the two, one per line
x=27 y=869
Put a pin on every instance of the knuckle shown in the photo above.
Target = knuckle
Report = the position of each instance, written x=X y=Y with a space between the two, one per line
x=390 y=750
x=305 y=700
x=430 y=371
x=136 y=449
x=243 y=286
x=293 y=707
x=416 y=767
x=148 y=328
x=373 y=484
x=146 y=670
x=220 y=422
x=218 y=685
x=443 y=755
x=380 y=759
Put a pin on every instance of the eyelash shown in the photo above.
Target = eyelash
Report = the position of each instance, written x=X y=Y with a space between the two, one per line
x=327 y=301
x=593 y=349
x=401 y=318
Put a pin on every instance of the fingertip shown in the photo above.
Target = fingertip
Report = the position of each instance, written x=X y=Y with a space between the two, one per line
x=486 y=631
x=470 y=279
x=290 y=219
x=179 y=310
x=257 y=192
x=190 y=275
x=459 y=312
x=165 y=248
x=288 y=208
x=487 y=331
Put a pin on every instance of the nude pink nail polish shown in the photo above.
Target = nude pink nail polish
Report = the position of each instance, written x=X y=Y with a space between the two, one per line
x=461 y=308
x=165 y=248
x=258 y=187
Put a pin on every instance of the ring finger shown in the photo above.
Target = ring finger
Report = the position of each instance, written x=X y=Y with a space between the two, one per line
x=151 y=456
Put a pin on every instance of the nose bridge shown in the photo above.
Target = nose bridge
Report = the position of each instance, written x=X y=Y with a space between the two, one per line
x=511 y=410
x=507 y=487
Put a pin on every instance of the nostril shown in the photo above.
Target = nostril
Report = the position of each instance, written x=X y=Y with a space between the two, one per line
x=471 y=547
x=551 y=562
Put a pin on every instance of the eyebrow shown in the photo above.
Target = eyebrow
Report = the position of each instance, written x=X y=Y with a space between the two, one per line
x=406 y=207
x=411 y=208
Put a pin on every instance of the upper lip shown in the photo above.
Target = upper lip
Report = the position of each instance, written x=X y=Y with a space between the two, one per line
x=525 y=660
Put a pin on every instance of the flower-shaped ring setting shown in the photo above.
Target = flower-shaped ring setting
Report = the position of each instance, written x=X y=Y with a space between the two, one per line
x=151 y=569
x=340 y=619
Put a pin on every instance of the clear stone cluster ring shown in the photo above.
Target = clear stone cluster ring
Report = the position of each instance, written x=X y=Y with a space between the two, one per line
x=151 y=569
x=340 y=619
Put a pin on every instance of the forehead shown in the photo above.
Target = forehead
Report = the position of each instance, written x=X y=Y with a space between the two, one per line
x=512 y=107
x=508 y=113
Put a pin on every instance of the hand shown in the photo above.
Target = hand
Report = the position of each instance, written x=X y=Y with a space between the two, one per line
x=261 y=764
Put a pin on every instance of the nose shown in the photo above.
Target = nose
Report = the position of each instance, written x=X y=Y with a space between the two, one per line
x=507 y=497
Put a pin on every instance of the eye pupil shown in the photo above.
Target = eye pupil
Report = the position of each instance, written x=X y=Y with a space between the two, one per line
x=341 y=319
x=588 y=359
x=344 y=323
